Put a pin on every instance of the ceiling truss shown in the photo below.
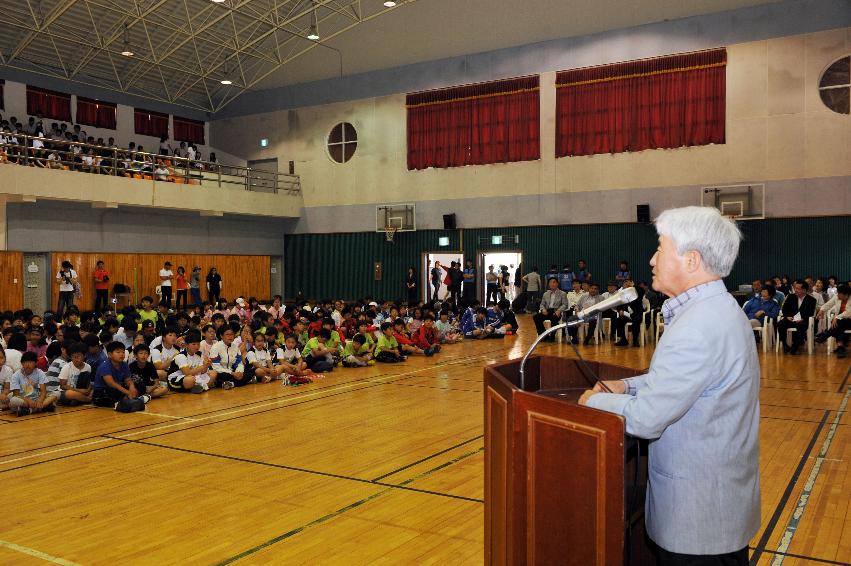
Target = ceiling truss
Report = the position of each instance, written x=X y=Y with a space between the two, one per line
x=182 y=49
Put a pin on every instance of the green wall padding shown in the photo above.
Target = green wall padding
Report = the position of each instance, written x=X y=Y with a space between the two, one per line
x=341 y=265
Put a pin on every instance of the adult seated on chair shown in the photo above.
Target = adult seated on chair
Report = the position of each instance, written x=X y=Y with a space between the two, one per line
x=553 y=303
x=631 y=312
x=587 y=300
x=841 y=305
x=764 y=306
x=797 y=309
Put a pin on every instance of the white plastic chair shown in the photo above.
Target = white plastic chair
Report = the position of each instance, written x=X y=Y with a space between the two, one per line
x=810 y=336
x=645 y=318
x=831 y=342
x=660 y=325
x=766 y=332
x=583 y=330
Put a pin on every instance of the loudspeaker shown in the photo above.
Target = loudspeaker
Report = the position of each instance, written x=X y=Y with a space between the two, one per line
x=449 y=221
x=642 y=213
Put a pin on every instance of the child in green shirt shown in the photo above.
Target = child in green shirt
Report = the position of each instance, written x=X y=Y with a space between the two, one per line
x=357 y=353
x=387 y=350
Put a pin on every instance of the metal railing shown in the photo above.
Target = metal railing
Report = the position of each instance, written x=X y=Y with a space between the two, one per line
x=110 y=160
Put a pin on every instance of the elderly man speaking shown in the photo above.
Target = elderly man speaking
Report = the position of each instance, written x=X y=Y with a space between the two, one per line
x=699 y=402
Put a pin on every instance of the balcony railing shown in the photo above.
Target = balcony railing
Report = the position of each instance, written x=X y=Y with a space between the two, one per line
x=106 y=160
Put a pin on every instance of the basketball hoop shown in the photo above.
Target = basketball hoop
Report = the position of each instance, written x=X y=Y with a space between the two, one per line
x=390 y=233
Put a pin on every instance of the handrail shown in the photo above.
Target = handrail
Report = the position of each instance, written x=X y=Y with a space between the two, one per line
x=144 y=162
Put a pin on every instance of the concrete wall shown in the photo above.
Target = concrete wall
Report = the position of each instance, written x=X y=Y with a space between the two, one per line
x=18 y=182
x=778 y=133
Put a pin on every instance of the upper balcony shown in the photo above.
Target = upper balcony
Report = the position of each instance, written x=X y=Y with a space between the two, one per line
x=109 y=177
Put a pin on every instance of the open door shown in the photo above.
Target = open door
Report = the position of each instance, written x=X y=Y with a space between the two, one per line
x=510 y=260
x=428 y=262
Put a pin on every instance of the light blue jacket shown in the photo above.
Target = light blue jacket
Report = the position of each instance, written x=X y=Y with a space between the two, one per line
x=699 y=402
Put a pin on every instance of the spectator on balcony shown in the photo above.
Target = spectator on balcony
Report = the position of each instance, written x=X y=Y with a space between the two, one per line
x=161 y=173
x=53 y=160
x=29 y=129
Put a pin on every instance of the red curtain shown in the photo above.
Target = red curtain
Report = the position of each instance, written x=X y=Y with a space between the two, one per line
x=188 y=130
x=665 y=102
x=48 y=104
x=149 y=123
x=495 y=122
x=96 y=113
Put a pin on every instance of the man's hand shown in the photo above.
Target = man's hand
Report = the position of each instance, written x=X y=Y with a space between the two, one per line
x=760 y=313
x=834 y=323
x=616 y=386
x=819 y=315
x=587 y=395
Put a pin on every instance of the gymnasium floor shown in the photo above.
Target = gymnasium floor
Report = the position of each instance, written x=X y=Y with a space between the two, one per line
x=379 y=465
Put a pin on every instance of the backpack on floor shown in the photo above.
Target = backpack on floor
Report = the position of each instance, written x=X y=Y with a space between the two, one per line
x=130 y=405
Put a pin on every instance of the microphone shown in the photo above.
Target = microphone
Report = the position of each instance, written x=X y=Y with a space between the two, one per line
x=622 y=297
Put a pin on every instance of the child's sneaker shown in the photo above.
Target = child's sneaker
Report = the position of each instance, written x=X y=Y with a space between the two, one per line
x=145 y=398
x=198 y=388
x=227 y=385
x=370 y=363
x=23 y=411
x=50 y=408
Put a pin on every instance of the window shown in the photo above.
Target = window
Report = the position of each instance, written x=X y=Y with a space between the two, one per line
x=149 y=123
x=835 y=86
x=187 y=130
x=48 y=104
x=95 y=113
x=342 y=142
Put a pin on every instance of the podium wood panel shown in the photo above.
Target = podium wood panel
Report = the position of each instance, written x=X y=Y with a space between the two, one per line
x=554 y=470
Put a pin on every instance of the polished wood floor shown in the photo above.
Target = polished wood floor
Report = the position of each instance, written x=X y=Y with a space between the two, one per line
x=378 y=465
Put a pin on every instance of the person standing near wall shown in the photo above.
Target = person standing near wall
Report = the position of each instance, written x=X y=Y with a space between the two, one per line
x=533 y=289
x=411 y=287
x=67 y=278
x=165 y=284
x=182 y=288
x=469 y=282
x=195 y=285
x=101 y=287
x=214 y=285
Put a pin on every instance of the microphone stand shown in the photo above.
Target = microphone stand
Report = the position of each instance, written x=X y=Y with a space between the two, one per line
x=564 y=325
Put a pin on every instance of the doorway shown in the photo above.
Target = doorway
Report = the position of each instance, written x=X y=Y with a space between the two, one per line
x=510 y=259
x=428 y=261
x=37 y=291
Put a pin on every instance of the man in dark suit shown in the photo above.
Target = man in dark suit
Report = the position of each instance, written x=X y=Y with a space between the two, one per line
x=797 y=309
x=631 y=312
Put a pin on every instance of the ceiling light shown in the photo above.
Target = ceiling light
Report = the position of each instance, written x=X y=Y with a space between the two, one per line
x=218 y=1
x=314 y=33
x=127 y=49
x=226 y=82
x=390 y=3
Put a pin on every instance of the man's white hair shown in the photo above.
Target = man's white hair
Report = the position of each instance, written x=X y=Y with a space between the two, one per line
x=702 y=229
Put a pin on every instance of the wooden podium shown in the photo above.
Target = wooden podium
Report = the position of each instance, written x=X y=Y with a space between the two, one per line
x=563 y=484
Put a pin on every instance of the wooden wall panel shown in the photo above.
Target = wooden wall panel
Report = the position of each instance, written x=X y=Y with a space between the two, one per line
x=11 y=280
x=248 y=276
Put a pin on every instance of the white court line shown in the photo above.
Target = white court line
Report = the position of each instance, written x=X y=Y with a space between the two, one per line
x=281 y=400
x=236 y=411
x=40 y=454
x=37 y=554
x=147 y=412
x=795 y=519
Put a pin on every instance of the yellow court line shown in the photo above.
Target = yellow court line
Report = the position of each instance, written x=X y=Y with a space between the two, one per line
x=37 y=554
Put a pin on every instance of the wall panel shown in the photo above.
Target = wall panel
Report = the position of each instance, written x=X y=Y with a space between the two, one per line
x=11 y=280
x=341 y=265
x=248 y=276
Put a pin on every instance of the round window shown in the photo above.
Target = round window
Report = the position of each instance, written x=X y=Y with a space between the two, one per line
x=835 y=86
x=342 y=142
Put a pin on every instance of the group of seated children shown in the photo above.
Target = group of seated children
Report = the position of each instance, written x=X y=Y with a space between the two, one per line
x=124 y=361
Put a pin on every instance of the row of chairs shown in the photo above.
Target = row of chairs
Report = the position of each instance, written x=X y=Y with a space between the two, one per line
x=770 y=335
